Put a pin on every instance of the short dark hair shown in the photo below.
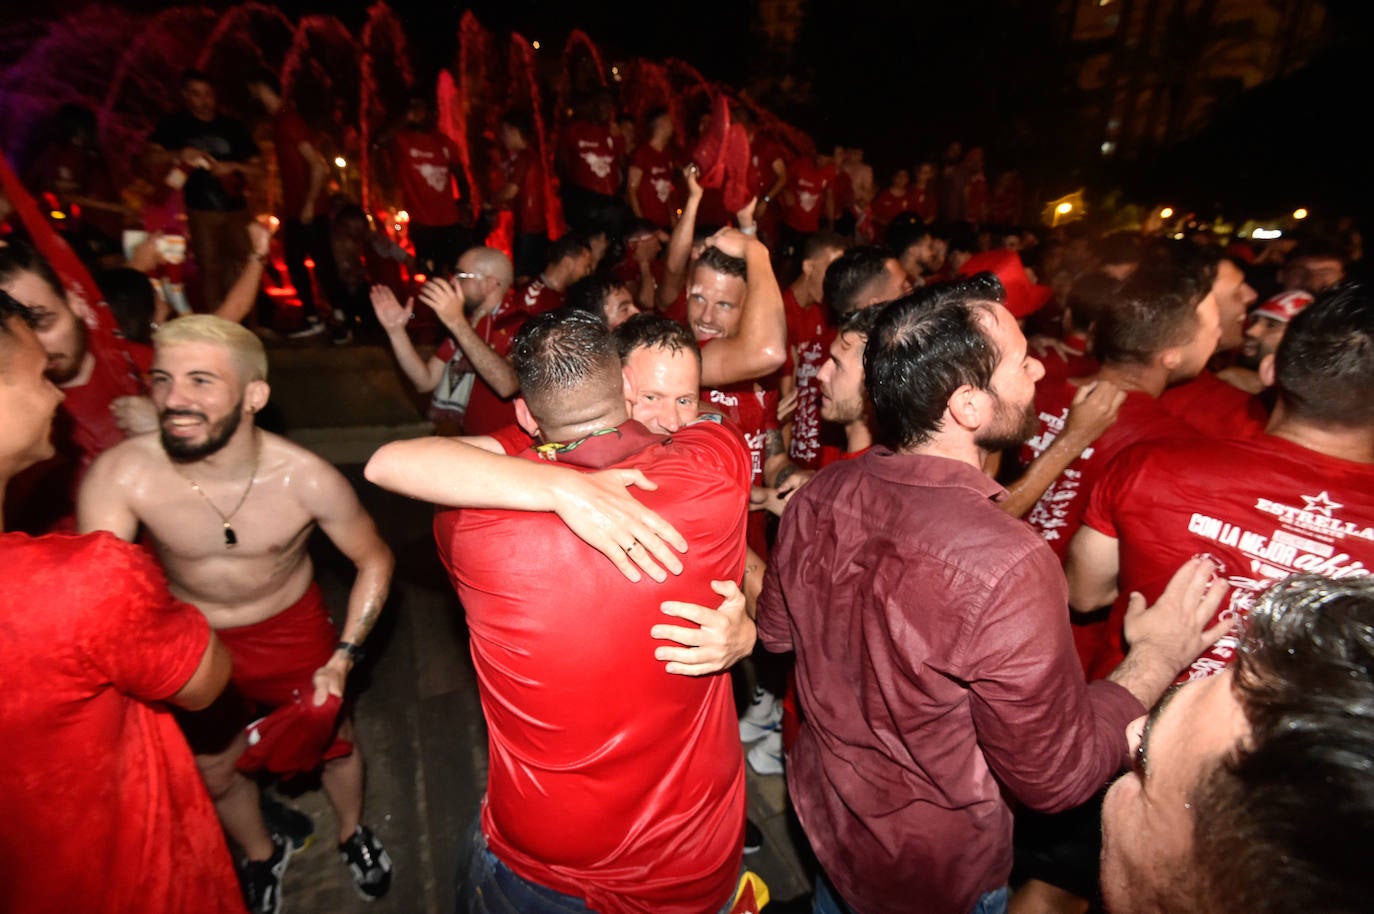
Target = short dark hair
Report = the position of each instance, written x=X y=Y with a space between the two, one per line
x=1118 y=247
x=716 y=259
x=568 y=244
x=850 y=274
x=265 y=77
x=654 y=331
x=1152 y=311
x=1324 y=367
x=11 y=307
x=193 y=75
x=1285 y=821
x=923 y=348
x=130 y=296
x=19 y=256
x=589 y=294
x=817 y=243
x=904 y=231
x=860 y=322
x=559 y=351
x=1090 y=294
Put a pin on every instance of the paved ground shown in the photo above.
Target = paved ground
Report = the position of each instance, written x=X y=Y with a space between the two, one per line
x=418 y=717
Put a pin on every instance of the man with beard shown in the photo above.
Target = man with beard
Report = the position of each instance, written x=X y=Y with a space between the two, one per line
x=470 y=376
x=229 y=509
x=933 y=658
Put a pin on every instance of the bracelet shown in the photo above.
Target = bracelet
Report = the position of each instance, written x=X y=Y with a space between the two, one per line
x=354 y=652
x=750 y=230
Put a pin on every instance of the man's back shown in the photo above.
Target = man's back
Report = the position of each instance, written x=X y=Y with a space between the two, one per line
x=603 y=767
x=102 y=802
x=935 y=671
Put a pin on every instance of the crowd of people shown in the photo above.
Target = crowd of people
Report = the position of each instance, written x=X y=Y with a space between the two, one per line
x=1043 y=556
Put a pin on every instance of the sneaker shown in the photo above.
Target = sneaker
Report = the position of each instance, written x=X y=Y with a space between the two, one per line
x=290 y=823
x=261 y=880
x=766 y=756
x=313 y=326
x=762 y=717
x=369 y=862
x=753 y=837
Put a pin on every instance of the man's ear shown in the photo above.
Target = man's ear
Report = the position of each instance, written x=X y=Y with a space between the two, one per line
x=256 y=395
x=969 y=407
x=1266 y=370
x=525 y=419
x=629 y=385
x=1171 y=358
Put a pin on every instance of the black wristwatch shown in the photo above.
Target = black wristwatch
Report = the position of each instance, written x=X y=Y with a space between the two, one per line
x=354 y=652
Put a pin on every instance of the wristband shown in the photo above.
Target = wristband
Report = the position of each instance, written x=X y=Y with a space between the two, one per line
x=354 y=652
x=751 y=231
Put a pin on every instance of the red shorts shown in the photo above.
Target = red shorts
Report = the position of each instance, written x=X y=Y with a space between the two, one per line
x=274 y=667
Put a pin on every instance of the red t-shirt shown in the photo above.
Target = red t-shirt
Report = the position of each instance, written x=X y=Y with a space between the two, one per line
x=763 y=152
x=523 y=170
x=462 y=398
x=1214 y=408
x=1059 y=512
x=609 y=779
x=809 y=336
x=804 y=202
x=657 y=191
x=752 y=409
x=887 y=206
x=536 y=298
x=424 y=161
x=103 y=807
x=288 y=132
x=1262 y=508
x=593 y=157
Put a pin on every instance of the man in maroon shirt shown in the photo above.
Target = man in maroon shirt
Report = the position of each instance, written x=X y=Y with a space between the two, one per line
x=933 y=662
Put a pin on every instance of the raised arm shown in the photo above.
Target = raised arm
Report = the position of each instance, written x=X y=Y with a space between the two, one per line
x=760 y=347
x=1094 y=409
x=242 y=296
x=425 y=375
x=595 y=506
x=494 y=368
x=680 y=243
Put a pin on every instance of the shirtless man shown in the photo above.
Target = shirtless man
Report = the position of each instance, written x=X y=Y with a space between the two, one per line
x=230 y=510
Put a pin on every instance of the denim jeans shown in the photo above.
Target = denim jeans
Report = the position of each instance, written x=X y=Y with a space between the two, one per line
x=488 y=886
x=826 y=901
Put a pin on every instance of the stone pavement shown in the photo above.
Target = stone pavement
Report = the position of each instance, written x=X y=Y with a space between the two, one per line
x=417 y=713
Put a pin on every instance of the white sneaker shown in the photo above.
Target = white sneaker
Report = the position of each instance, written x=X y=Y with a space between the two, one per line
x=766 y=756
x=762 y=717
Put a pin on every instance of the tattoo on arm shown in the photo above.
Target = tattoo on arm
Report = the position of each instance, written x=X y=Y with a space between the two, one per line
x=784 y=474
x=371 y=611
x=772 y=443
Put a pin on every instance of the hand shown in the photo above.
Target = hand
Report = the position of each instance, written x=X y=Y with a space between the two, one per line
x=446 y=300
x=762 y=498
x=647 y=249
x=793 y=481
x=744 y=217
x=260 y=237
x=223 y=169
x=599 y=511
x=690 y=175
x=787 y=406
x=1094 y=409
x=1173 y=629
x=390 y=314
x=145 y=257
x=135 y=415
x=196 y=158
x=730 y=241
x=723 y=636
x=331 y=678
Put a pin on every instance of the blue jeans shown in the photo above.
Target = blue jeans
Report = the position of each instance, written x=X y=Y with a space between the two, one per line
x=826 y=901
x=488 y=886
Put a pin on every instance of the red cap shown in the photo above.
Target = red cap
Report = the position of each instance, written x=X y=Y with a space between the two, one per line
x=1284 y=306
x=1024 y=297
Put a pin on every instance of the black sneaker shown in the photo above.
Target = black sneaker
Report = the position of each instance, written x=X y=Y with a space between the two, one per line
x=290 y=823
x=753 y=837
x=261 y=880
x=369 y=862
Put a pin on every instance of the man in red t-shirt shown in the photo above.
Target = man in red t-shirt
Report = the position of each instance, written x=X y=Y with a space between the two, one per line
x=569 y=260
x=638 y=806
x=426 y=163
x=808 y=200
x=1067 y=356
x=591 y=159
x=650 y=187
x=94 y=645
x=892 y=201
x=523 y=189
x=1299 y=498
x=469 y=377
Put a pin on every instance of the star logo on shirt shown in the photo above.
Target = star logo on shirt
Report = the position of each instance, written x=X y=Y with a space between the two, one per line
x=1321 y=503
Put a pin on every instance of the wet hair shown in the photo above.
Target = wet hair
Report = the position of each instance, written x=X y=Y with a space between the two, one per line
x=654 y=331
x=242 y=343
x=850 y=273
x=861 y=321
x=817 y=243
x=1152 y=311
x=265 y=77
x=590 y=293
x=924 y=347
x=559 y=352
x=568 y=245
x=1089 y=296
x=19 y=256
x=1324 y=367
x=715 y=259
x=1285 y=821
x=130 y=296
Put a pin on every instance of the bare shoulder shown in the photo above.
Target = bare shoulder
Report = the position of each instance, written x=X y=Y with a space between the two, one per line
x=132 y=458
x=306 y=473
